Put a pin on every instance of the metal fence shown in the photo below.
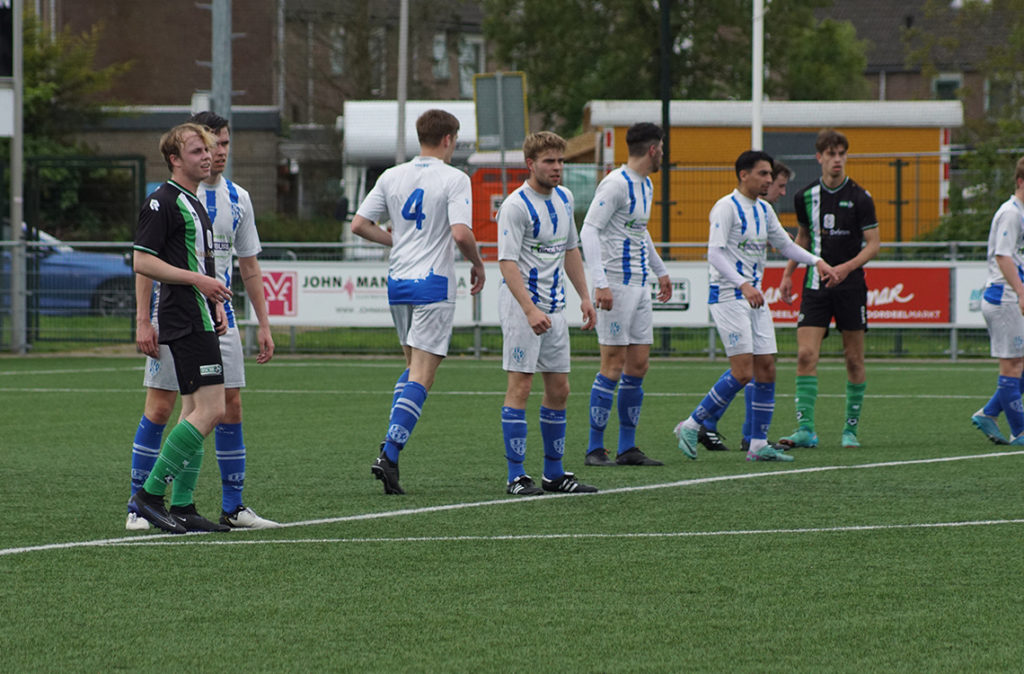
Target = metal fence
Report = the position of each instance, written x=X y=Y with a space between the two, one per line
x=81 y=298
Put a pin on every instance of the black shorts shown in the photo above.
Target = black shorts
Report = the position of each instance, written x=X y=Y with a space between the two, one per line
x=197 y=361
x=848 y=304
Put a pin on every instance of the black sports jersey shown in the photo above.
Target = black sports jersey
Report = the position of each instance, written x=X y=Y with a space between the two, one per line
x=836 y=220
x=174 y=226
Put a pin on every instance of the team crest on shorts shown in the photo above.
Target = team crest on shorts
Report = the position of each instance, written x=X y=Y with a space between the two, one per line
x=615 y=328
x=518 y=354
x=154 y=367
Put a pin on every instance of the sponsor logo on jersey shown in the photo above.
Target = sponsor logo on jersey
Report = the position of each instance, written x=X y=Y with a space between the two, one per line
x=154 y=205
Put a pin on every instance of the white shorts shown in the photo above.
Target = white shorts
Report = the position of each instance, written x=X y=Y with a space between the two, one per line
x=630 y=320
x=1005 y=329
x=744 y=329
x=160 y=372
x=524 y=351
x=427 y=327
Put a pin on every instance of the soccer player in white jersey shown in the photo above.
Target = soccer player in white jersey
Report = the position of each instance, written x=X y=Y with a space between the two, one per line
x=620 y=255
x=708 y=434
x=742 y=225
x=537 y=248
x=430 y=205
x=234 y=233
x=1003 y=308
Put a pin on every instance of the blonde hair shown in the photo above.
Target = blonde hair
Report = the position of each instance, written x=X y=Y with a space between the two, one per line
x=542 y=141
x=173 y=142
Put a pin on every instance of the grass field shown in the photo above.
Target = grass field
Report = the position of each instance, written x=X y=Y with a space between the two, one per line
x=904 y=555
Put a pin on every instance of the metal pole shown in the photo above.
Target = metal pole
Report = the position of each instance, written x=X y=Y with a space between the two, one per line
x=757 y=77
x=281 y=103
x=501 y=135
x=403 y=77
x=666 y=124
x=220 y=91
x=19 y=314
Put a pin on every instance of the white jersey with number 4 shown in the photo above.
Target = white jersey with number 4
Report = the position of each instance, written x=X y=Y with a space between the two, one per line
x=423 y=198
x=1006 y=237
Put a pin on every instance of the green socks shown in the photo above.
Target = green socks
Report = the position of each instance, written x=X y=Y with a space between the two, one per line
x=806 y=397
x=854 y=402
x=181 y=456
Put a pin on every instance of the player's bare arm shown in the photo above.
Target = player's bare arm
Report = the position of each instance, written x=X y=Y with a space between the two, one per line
x=155 y=268
x=574 y=270
x=538 y=320
x=466 y=243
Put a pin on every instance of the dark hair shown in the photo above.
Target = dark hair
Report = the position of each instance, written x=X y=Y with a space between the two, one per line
x=641 y=136
x=433 y=125
x=748 y=159
x=831 y=138
x=780 y=169
x=211 y=120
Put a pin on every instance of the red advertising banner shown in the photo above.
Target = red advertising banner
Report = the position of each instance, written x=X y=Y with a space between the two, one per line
x=895 y=295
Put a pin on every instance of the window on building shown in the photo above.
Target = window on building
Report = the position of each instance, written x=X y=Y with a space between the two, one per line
x=1003 y=93
x=439 y=52
x=471 y=62
x=337 y=56
x=945 y=86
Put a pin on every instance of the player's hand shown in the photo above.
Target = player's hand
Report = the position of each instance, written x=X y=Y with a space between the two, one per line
x=538 y=320
x=146 y=338
x=266 y=342
x=603 y=298
x=220 y=320
x=833 y=275
x=786 y=289
x=212 y=288
x=589 y=315
x=476 y=279
x=664 y=288
x=752 y=295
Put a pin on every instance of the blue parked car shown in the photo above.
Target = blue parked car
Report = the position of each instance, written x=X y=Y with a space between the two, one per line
x=63 y=280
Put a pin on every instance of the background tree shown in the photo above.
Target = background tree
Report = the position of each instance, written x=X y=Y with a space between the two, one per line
x=63 y=95
x=609 y=49
x=949 y=39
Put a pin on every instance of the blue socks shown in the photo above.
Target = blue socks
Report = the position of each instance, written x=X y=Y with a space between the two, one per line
x=763 y=407
x=231 y=459
x=404 y=416
x=552 y=430
x=1009 y=397
x=631 y=397
x=399 y=387
x=601 y=395
x=748 y=418
x=145 y=450
x=718 y=398
x=513 y=430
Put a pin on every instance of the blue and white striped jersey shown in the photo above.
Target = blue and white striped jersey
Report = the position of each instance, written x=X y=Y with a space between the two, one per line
x=535 y=230
x=423 y=198
x=619 y=212
x=744 y=227
x=1005 y=238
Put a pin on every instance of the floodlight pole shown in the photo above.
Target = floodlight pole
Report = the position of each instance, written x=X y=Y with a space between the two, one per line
x=403 y=77
x=19 y=314
x=757 y=77
x=220 y=96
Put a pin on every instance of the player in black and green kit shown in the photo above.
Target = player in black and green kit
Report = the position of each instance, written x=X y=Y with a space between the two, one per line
x=174 y=245
x=837 y=222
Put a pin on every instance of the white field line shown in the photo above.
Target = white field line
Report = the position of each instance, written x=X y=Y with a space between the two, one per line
x=388 y=392
x=190 y=539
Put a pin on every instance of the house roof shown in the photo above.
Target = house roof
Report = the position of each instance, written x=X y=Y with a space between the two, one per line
x=885 y=23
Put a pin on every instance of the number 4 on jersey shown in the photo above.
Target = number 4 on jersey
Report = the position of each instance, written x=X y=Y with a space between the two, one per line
x=413 y=208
